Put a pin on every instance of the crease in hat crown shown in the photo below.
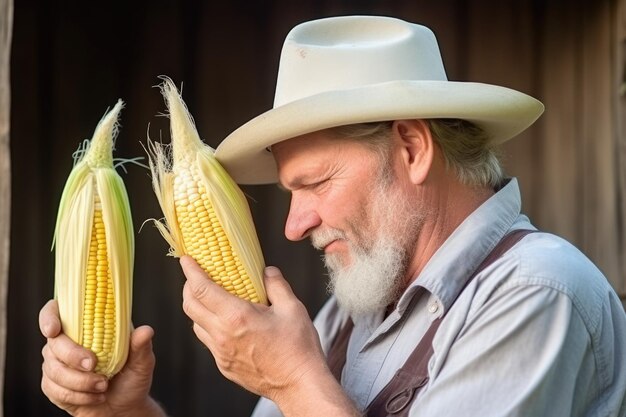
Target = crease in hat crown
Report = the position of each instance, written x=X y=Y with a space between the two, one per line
x=330 y=54
x=355 y=69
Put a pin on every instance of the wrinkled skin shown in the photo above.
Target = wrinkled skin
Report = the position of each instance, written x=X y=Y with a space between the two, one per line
x=69 y=382
x=272 y=351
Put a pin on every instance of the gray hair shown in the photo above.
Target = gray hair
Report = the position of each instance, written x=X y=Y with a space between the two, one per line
x=465 y=146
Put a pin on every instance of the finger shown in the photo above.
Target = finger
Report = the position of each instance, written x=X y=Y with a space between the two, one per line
x=69 y=378
x=217 y=328
x=212 y=296
x=222 y=355
x=141 y=356
x=195 y=310
x=277 y=288
x=49 y=322
x=64 y=397
x=71 y=354
x=204 y=337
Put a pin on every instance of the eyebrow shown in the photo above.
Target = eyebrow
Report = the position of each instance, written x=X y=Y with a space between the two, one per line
x=293 y=184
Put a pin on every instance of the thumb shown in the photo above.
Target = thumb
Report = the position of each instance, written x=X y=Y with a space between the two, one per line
x=49 y=321
x=277 y=288
x=140 y=357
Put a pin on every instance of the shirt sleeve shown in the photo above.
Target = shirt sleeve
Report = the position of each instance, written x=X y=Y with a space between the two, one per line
x=266 y=408
x=520 y=354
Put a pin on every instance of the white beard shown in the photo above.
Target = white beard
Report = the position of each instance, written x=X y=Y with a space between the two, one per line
x=373 y=280
x=376 y=275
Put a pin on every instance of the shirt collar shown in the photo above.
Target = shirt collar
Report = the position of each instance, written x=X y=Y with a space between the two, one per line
x=460 y=255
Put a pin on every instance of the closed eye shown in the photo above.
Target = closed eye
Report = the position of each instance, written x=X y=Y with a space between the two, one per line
x=317 y=186
x=302 y=185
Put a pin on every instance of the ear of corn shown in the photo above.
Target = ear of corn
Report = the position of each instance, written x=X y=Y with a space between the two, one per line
x=94 y=252
x=206 y=214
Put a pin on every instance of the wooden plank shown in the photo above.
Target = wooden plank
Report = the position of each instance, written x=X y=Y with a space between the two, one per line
x=6 y=29
x=597 y=172
x=502 y=42
x=618 y=101
x=559 y=210
x=566 y=163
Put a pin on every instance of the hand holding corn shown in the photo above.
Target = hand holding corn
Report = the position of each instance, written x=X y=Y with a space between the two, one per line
x=69 y=381
x=273 y=351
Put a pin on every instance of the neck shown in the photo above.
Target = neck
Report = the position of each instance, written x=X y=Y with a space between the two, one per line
x=448 y=204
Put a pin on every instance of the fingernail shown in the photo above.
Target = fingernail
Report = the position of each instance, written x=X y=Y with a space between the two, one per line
x=101 y=386
x=86 y=364
x=272 y=271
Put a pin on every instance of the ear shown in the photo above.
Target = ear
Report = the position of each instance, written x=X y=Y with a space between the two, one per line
x=416 y=148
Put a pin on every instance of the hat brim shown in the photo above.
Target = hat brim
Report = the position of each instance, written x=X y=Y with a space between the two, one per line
x=501 y=112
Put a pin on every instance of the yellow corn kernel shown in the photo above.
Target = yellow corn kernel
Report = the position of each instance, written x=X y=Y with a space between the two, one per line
x=94 y=252
x=206 y=214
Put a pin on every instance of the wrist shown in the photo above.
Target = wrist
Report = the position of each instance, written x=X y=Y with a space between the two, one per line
x=153 y=409
x=149 y=409
x=316 y=393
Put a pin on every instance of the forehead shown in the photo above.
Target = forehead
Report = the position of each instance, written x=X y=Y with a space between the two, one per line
x=310 y=153
x=309 y=143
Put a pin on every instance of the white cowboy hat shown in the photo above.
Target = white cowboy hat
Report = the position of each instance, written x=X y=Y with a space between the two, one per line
x=354 y=69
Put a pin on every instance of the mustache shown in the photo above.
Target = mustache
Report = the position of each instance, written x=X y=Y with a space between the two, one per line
x=322 y=237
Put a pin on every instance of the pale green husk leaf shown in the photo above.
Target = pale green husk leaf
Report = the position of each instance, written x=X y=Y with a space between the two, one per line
x=94 y=174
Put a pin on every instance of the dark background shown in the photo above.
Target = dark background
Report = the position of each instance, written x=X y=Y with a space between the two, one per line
x=71 y=60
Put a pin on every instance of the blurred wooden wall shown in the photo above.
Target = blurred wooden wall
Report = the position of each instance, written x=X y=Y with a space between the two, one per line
x=71 y=60
x=6 y=30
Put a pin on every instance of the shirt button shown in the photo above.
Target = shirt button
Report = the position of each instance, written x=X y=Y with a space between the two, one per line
x=433 y=308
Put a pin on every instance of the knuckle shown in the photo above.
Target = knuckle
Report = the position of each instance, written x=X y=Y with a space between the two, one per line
x=54 y=373
x=197 y=330
x=225 y=366
x=224 y=351
x=44 y=386
x=296 y=307
x=65 y=397
x=200 y=291
x=186 y=307
x=220 y=341
x=58 y=348
x=237 y=319
x=66 y=351
x=61 y=400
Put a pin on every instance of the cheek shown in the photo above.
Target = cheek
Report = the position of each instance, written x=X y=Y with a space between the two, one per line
x=360 y=224
x=344 y=207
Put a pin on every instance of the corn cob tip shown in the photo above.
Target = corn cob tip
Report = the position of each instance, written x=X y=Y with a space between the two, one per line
x=182 y=125
x=100 y=151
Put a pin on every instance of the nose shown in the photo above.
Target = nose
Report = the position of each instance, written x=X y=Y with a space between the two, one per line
x=301 y=220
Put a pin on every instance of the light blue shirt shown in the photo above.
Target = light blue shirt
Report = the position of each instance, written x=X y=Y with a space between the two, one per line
x=538 y=333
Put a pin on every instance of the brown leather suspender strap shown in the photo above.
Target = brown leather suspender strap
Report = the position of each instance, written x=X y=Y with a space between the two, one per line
x=394 y=399
x=337 y=354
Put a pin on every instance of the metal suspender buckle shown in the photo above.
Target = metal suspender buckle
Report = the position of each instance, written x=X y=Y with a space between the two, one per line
x=399 y=401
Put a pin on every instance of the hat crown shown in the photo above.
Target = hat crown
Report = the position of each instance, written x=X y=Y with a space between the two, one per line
x=354 y=51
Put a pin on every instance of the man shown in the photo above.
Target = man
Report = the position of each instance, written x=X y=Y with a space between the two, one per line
x=393 y=173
